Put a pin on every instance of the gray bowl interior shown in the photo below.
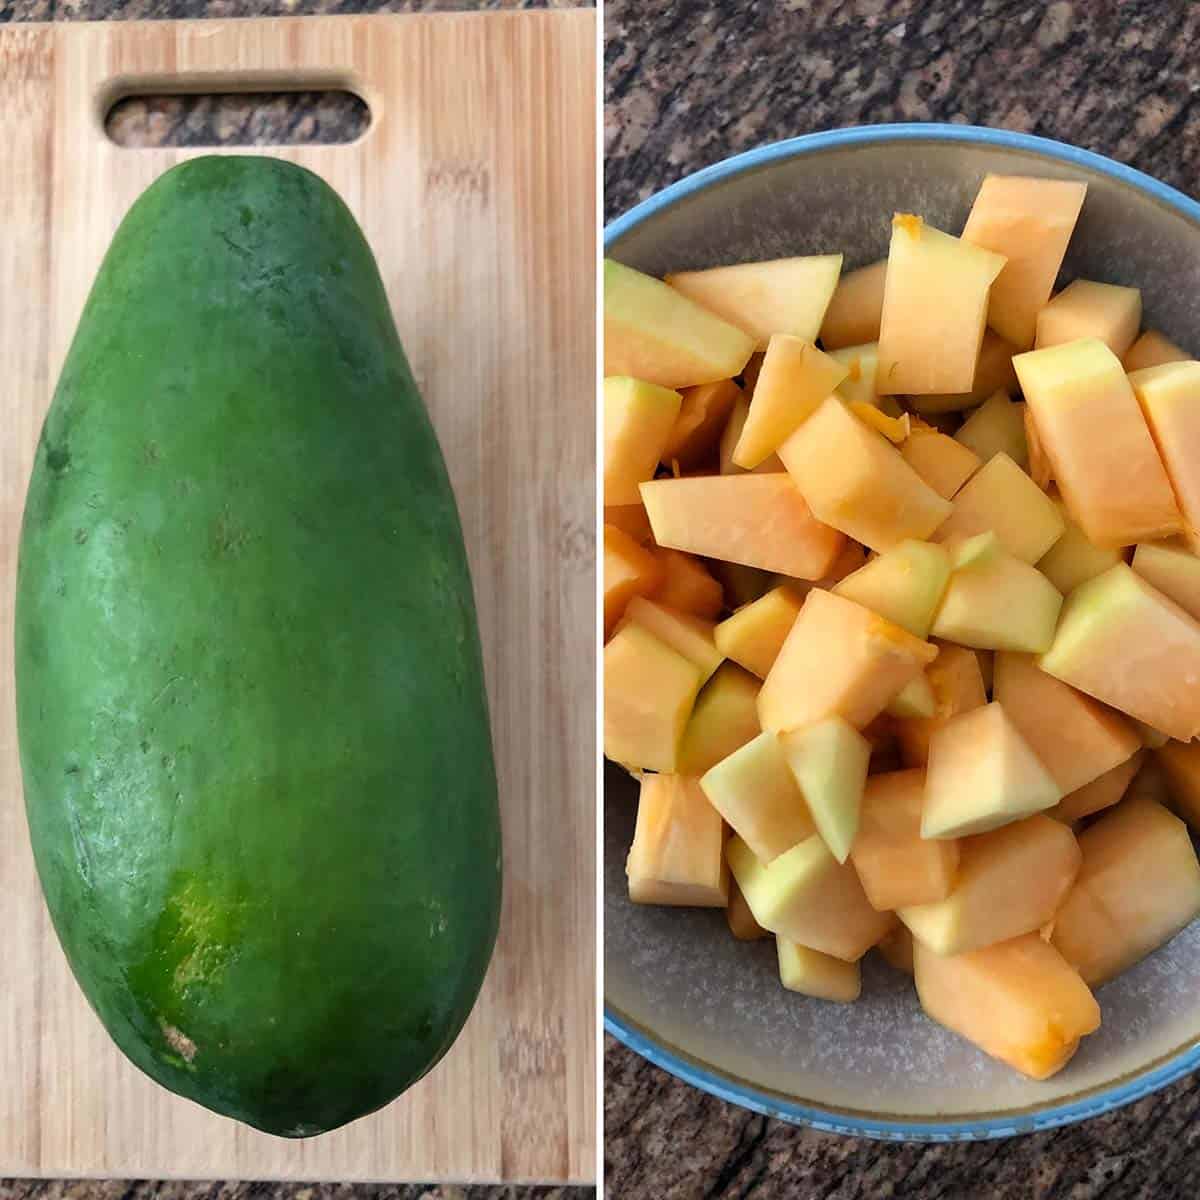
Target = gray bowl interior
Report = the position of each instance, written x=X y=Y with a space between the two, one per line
x=675 y=975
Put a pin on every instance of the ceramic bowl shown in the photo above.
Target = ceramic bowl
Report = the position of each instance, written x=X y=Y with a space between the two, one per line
x=679 y=989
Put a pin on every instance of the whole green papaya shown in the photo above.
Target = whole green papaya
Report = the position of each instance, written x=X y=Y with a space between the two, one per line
x=253 y=726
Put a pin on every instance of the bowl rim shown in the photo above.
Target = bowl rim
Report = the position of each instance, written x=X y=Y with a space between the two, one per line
x=726 y=1087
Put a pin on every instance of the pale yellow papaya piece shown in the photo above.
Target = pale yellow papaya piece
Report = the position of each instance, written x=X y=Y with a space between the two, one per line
x=935 y=302
x=821 y=976
x=1087 y=309
x=794 y=379
x=655 y=333
x=782 y=295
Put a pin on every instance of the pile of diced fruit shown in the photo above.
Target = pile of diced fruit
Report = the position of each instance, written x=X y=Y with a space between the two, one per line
x=902 y=614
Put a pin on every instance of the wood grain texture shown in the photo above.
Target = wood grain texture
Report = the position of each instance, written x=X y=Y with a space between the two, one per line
x=475 y=184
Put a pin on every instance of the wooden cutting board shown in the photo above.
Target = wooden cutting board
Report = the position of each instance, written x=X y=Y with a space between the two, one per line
x=475 y=184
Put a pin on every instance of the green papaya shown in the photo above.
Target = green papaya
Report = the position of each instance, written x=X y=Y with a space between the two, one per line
x=253 y=727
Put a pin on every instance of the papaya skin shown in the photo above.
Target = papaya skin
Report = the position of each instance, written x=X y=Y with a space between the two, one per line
x=252 y=718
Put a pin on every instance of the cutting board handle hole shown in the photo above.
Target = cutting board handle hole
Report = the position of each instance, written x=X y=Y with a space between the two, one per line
x=319 y=117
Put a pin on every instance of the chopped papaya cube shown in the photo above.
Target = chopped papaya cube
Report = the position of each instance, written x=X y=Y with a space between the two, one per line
x=1030 y=222
x=1040 y=469
x=688 y=585
x=740 y=919
x=758 y=520
x=935 y=302
x=1018 y=1001
x=1173 y=569
x=904 y=584
x=1087 y=309
x=853 y=315
x=678 y=851
x=997 y=426
x=993 y=373
x=754 y=635
x=703 y=412
x=629 y=570
x=1073 y=560
x=898 y=867
x=1170 y=400
x=732 y=434
x=1138 y=886
x=782 y=295
x=757 y=794
x=724 y=718
x=821 y=976
x=1010 y=881
x=1103 y=792
x=794 y=379
x=1076 y=738
x=638 y=417
x=1000 y=497
x=958 y=687
x=999 y=603
x=807 y=896
x=655 y=333
x=856 y=481
x=942 y=462
x=1180 y=762
x=839 y=659
x=829 y=763
x=1126 y=644
x=689 y=635
x=982 y=774
x=649 y=690
x=1151 y=350
x=1104 y=459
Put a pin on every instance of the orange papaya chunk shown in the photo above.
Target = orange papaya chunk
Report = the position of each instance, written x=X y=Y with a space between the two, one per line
x=757 y=520
x=1019 y=1001
x=678 y=851
x=1138 y=886
x=839 y=660
x=629 y=570
x=896 y=865
x=1093 y=432
x=1030 y=222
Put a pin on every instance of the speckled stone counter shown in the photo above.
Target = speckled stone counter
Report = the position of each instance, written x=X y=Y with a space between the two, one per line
x=688 y=83
x=247 y=120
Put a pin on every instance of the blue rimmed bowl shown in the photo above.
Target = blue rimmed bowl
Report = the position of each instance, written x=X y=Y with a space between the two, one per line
x=678 y=988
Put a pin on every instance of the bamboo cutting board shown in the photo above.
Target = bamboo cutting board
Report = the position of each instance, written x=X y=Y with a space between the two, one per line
x=475 y=183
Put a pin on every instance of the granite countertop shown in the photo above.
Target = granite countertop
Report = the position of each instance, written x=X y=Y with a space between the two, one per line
x=689 y=82
x=246 y=120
